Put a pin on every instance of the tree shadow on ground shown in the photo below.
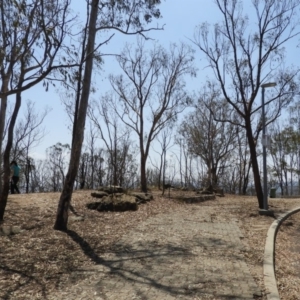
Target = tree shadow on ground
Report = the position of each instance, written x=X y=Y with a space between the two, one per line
x=17 y=285
x=141 y=264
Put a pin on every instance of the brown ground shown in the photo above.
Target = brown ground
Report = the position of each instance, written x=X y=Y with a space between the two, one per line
x=288 y=258
x=38 y=260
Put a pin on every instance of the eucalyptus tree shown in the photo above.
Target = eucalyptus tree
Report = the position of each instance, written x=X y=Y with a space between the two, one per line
x=150 y=93
x=213 y=141
x=39 y=175
x=127 y=17
x=246 y=51
x=91 y=150
x=28 y=131
x=165 y=142
x=57 y=163
x=32 y=36
x=284 y=151
x=99 y=167
x=28 y=134
x=244 y=162
x=116 y=139
x=295 y=122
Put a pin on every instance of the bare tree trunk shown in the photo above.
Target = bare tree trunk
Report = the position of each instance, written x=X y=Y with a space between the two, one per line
x=65 y=198
x=191 y=177
x=164 y=171
x=186 y=183
x=3 y=109
x=27 y=174
x=160 y=170
x=6 y=165
x=180 y=162
x=115 y=158
x=246 y=177
x=92 y=158
x=143 y=174
x=255 y=168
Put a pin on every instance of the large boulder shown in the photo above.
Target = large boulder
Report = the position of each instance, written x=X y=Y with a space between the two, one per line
x=219 y=192
x=197 y=199
x=99 y=194
x=210 y=190
x=111 y=189
x=113 y=202
x=205 y=192
x=142 y=197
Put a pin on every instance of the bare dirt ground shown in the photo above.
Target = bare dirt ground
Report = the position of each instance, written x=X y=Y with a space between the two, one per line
x=38 y=260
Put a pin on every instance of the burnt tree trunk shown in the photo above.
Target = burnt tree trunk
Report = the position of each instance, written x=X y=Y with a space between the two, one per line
x=144 y=187
x=6 y=156
x=255 y=168
x=3 y=109
x=65 y=198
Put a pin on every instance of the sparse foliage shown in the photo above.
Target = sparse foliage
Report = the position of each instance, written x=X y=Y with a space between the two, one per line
x=32 y=35
x=103 y=14
x=244 y=58
x=151 y=92
x=209 y=139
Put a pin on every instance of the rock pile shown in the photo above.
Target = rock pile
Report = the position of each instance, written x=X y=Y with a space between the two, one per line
x=115 y=198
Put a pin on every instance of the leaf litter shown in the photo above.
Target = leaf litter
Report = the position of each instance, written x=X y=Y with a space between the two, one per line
x=38 y=261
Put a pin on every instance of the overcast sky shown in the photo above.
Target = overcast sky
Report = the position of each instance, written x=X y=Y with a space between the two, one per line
x=179 y=19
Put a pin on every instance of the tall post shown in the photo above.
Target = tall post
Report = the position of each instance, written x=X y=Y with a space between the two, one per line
x=265 y=185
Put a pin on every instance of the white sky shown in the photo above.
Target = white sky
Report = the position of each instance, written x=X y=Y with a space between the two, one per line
x=180 y=18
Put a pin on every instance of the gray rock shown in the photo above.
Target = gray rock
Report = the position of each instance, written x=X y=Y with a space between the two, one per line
x=99 y=194
x=210 y=191
x=111 y=189
x=142 y=197
x=115 y=203
x=220 y=192
x=199 y=198
x=76 y=218
x=10 y=230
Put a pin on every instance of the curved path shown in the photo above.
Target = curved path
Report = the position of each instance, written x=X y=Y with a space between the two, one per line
x=269 y=256
x=184 y=255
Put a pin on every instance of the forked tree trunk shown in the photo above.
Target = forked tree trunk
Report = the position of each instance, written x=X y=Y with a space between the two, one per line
x=78 y=134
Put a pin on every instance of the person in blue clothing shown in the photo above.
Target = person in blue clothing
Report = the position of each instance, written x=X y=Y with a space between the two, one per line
x=15 y=169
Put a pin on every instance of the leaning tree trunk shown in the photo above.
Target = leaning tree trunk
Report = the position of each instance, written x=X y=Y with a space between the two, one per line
x=255 y=169
x=78 y=134
x=6 y=156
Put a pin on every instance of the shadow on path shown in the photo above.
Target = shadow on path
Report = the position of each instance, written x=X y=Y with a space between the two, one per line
x=151 y=264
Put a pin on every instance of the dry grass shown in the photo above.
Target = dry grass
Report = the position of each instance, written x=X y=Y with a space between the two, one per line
x=38 y=260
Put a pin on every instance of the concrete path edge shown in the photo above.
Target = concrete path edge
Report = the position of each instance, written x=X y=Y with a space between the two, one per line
x=269 y=256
